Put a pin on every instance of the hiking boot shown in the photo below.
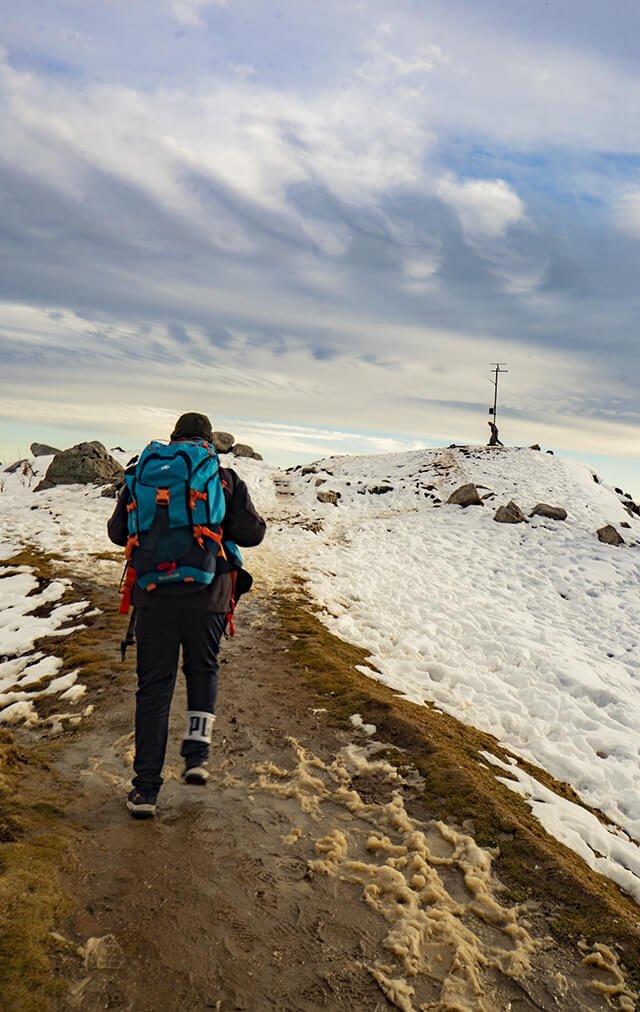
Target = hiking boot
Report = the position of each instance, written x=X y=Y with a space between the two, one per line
x=198 y=774
x=142 y=804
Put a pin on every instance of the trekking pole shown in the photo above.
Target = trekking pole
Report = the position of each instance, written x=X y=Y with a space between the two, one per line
x=130 y=636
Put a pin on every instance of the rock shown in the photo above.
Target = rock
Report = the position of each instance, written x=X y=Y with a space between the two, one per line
x=552 y=512
x=535 y=446
x=595 y=478
x=320 y=481
x=380 y=489
x=466 y=495
x=117 y=449
x=309 y=469
x=623 y=523
x=81 y=465
x=551 y=452
x=222 y=441
x=632 y=508
x=242 y=450
x=609 y=535
x=12 y=468
x=43 y=450
x=111 y=491
x=257 y=456
x=510 y=514
x=619 y=491
x=329 y=497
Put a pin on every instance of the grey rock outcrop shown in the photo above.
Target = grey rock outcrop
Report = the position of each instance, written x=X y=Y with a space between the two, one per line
x=610 y=536
x=222 y=441
x=552 y=512
x=82 y=464
x=510 y=514
x=328 y=497
x=243 y=450
x=43 y=450
x=466 y=495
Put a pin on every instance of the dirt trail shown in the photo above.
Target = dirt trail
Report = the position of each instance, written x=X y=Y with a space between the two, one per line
x=307 y=875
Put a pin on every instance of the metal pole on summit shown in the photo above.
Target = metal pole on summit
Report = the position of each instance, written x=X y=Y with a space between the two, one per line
x=497 y=369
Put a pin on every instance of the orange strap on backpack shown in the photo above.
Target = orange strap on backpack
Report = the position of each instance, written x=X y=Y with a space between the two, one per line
x=126 y=587
x=232 y=603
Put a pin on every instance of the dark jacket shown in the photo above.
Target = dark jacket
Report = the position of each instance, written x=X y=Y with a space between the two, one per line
x=241 y=524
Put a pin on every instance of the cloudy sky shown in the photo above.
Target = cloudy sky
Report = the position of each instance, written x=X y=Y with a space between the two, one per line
x=321 y=222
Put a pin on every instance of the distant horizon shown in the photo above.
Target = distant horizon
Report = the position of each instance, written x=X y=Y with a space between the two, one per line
x=315 y=443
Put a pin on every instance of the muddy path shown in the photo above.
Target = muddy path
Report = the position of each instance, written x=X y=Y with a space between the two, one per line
x=308 y=874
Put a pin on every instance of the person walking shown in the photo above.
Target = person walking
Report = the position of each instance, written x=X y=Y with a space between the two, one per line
x=182 y=610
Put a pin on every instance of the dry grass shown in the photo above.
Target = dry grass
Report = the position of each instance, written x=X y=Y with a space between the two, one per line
x=34 y=842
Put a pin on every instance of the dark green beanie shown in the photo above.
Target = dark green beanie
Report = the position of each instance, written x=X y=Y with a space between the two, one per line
x=193 y=426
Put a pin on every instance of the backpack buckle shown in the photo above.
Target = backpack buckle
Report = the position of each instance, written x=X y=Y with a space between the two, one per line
x=162 y=497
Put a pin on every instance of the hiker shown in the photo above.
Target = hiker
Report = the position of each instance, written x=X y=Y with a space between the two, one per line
x=494 y=441
x=185 y=602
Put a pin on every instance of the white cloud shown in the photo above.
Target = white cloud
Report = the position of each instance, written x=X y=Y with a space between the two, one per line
x=189 y=12
x=627 y=213
x=242 y=70
x=486 y=207
x=255 y=142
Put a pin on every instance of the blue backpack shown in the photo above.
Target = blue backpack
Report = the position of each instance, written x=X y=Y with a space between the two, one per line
x=175 y=514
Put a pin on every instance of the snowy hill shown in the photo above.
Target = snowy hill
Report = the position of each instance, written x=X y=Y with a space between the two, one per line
x=528 y=631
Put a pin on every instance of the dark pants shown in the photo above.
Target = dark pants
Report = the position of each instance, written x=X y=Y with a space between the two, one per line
x=160 y=632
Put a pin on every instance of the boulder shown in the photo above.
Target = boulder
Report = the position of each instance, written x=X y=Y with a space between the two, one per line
x=12 y=468
x=43 y=450
x=111 y=491
x=466 y=495
x=242 y=450
x=222 y=441
x=81 y=465
x=380 y=489
x=535 y=446
x=510 y=514
x=328 y=497
x=609 y=535
x=257 y=456
x=552 y=512
x=309 y=469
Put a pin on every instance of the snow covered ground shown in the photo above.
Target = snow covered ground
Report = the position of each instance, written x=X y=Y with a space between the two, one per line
x=58 y=522
x=527 y=631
